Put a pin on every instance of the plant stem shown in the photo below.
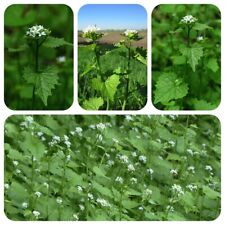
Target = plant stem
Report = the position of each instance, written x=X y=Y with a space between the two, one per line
x=97 y=56
x=36 y=71
x=127 y=77
x=48 y=175
x=188 y=36
x=107 y=107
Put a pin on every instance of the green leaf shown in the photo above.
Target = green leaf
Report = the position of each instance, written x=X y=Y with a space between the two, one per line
x=213 y=65
x=97 y=83
x=88 y=69
x=93 y=103
x=202 y=104
x=29 y=76
x=169 y=87
x=201 y=27
x=192 y=54
x=111 y=86
x=99 y=171
x=102 y=190
x=127 y=204
x=52 y=42
x=45 y=82
x=19 y=49
x=17 y=193
x=33 y=145
x=210 y=193
x=178 y=60
x=141 y=59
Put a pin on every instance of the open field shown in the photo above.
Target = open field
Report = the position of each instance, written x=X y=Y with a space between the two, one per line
x=112 y=37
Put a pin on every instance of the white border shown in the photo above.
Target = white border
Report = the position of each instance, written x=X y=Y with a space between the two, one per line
x=76 y=109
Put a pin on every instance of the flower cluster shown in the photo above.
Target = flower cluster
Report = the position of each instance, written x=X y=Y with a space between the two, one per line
x=188 y=19
x=92 y=33
x=102 y=202
x=131 y=34
x=177 y=190
x=37 y=32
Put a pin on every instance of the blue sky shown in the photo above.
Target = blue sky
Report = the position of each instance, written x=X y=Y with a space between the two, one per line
x=113 y=16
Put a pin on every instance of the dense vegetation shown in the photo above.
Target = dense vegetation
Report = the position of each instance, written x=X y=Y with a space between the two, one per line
x=112 y=77
x=112 y=168
x=186 y=57
x=38 y=57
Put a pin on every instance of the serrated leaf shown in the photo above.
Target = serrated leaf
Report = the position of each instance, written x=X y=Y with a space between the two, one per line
x=99 y=171
x=213 y=65
x=53 y=42
x=111 y=86
x=45 y=83
x=210 y=193
x=97 y=83
x=32 y=145
x=29 y=76
x=169 y=87
x=193 y=55
x=202 y=104
x=93 y=103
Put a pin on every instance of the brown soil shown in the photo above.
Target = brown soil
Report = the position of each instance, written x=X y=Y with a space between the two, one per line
x=112 y=37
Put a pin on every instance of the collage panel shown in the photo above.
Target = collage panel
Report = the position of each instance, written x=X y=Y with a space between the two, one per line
x=112 y=57
x=186 y=57
x=112 y=168
x=38 y=67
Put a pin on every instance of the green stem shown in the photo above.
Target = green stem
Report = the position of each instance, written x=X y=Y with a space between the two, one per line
x=188 y=36
x=48 y=175
x=107 y=107
x=36 y=71
x=62 y=188
x=97 y=57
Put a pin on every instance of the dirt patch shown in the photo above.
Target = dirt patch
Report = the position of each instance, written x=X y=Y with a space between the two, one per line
x=112 y=37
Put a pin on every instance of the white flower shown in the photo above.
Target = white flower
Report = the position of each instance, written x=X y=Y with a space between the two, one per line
x=115 y=140
x=91 y=29
x=124 y=158
x=190 y=152
x=172 y=143
x=15 y=163
x=130 y=167
x=134 y=154
x=110 y=162
x=191 y=169
x=208 y=168
x=46 y=184
x=90 y=196
x=192 y=187
x=24 y=205
x=142 y=159
x=36 y=213
x=177 y=189
x=158 y=140
x=99 y=137
x=100 y=126
x=75 y=216
x=129 y=118
x=169 y=208
x=68 y=157
x=39 y=134
x=81 y=207
x=133 y=180
x=38 y=194
x=18 y=171
x=200 y=38
x=66 y=138
x=188 y=19
x=140 y=208
x=28 y=120
x=150 y=171
x=148 y=192
x=173 y=172
x=61 y=59
x=103 y=202
x=119 y=180
x=92 y=126
x=43 y=138
x=59 y=200
x=79 y=131
x=67 y=143
x=56 y=138
x=79 y=188
x=6 y=186
x=37 y=31
x=130 y=32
